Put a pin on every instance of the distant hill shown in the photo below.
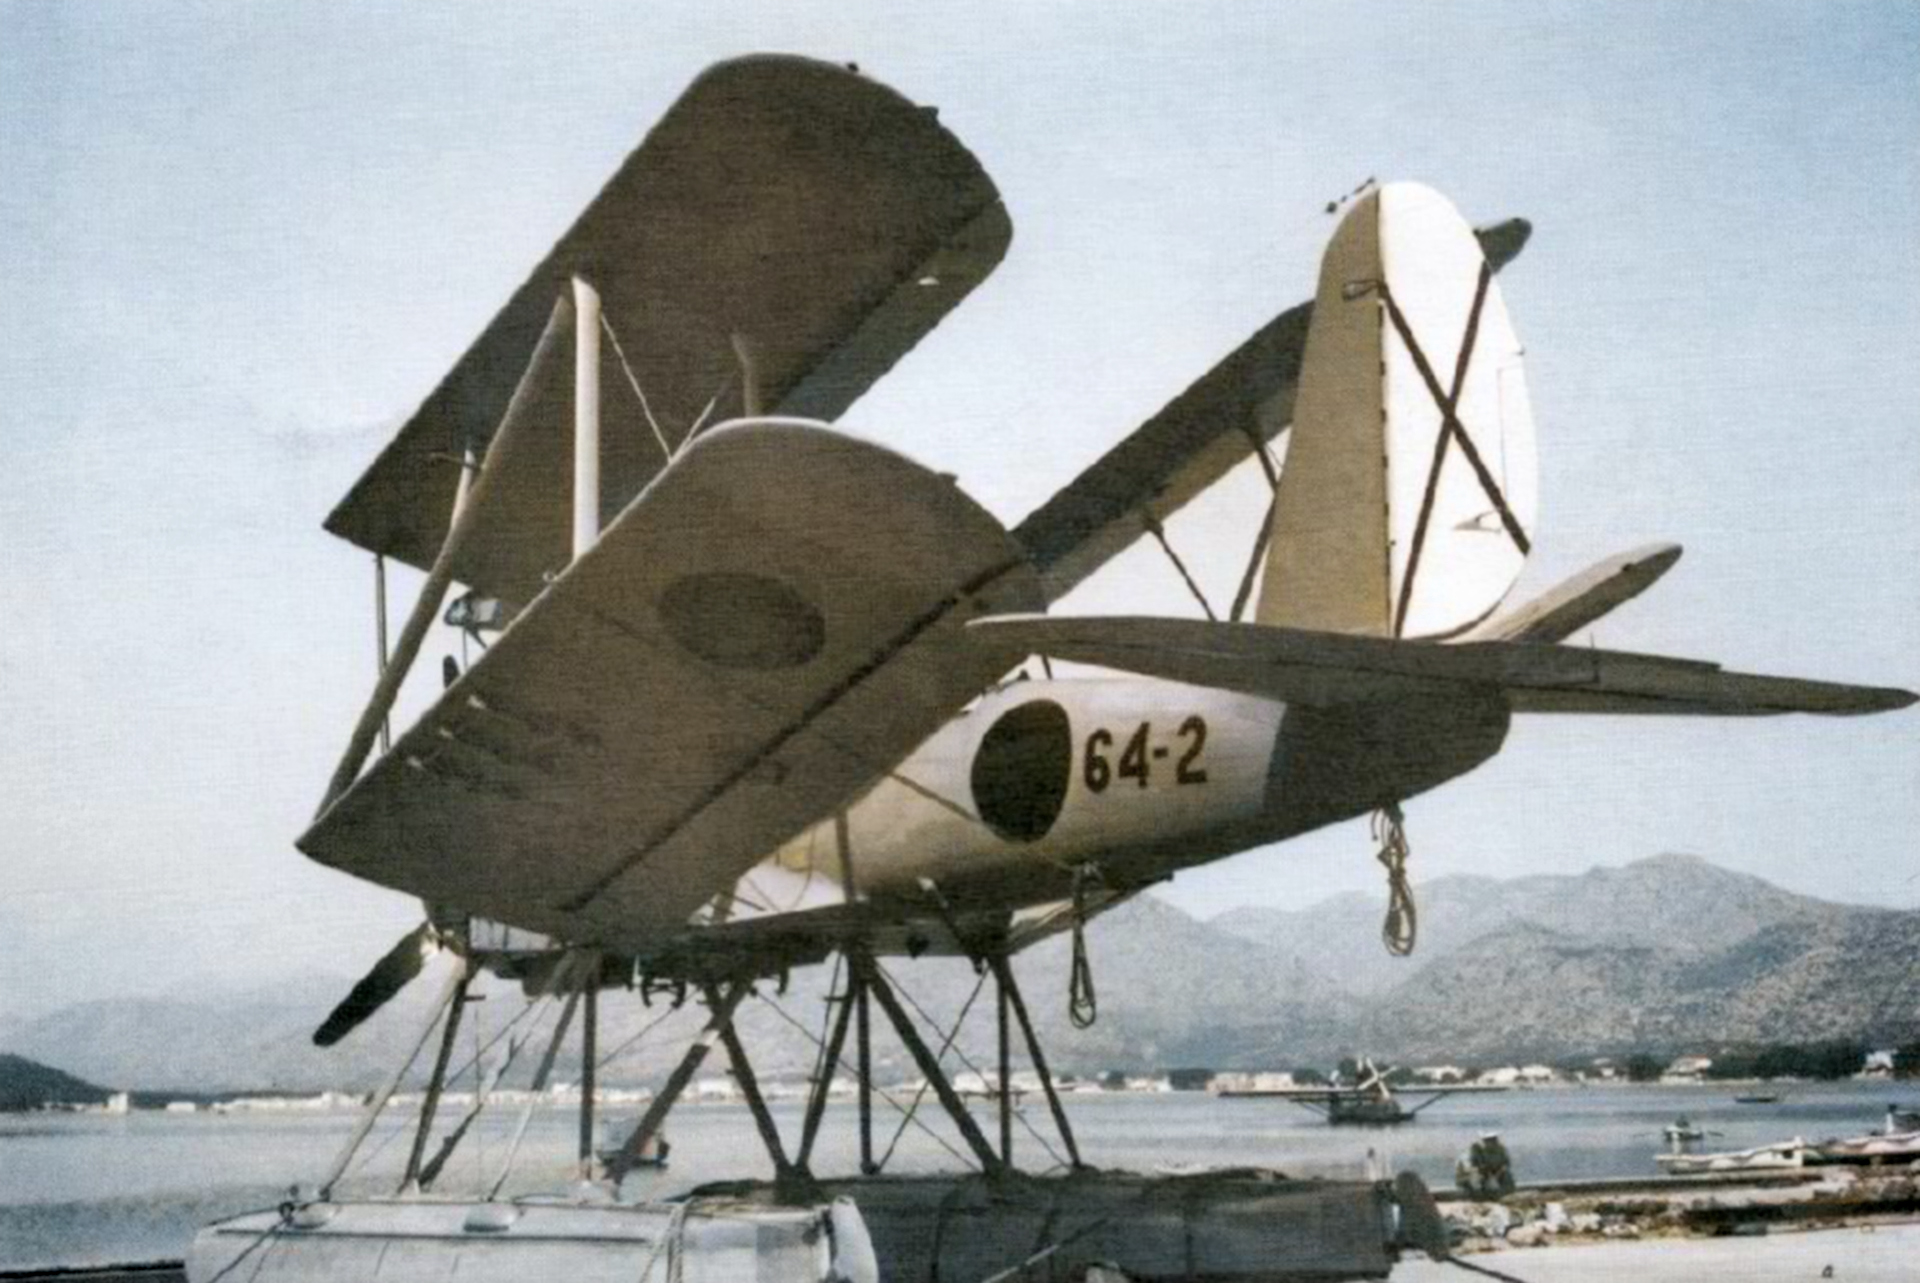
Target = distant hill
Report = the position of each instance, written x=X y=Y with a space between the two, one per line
x=1526 y=992
x=1172 y=991
x=1667 y=902
x=28 y=1084
x=1668 y=954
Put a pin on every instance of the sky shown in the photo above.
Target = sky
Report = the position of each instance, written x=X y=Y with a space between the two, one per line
x=238 y=244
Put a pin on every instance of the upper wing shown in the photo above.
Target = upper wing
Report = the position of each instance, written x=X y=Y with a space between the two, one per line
x=1305 y=667
x=1189 y=445
x=818 y=215
x=774 y=622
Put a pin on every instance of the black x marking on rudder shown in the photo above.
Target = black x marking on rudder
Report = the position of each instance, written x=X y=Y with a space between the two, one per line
x=1450 y=429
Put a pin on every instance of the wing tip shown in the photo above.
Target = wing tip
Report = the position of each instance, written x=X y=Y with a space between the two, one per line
x=1885 y=699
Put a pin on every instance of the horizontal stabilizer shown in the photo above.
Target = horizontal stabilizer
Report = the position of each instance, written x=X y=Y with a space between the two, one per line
x=1584 y=599
x=1302 y=667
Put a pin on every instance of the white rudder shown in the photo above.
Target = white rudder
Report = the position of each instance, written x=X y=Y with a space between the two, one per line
x=1407 y=504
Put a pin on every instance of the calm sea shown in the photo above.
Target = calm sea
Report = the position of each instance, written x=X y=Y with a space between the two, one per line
x=91 y=1189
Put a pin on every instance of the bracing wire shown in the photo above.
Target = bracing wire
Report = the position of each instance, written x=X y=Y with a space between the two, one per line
x=974 y=1067
x=645 y=1029
x=886 y=1096
x=1255 y=560
x=404 y=1125
x=946 y=1042
x=666 y=451
x=1159 y=533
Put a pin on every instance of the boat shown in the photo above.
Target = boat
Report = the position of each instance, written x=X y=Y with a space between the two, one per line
x=1759 y=1098
x=1763 y=1158
x=653 y=1154
x=1878 y=1149
x=1680 y=1130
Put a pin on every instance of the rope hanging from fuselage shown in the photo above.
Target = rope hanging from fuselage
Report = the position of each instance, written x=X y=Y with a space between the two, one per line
x=1402 y=923
x=1083 y=1003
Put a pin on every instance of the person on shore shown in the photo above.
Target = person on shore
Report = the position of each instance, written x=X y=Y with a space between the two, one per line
x=1486 y=1169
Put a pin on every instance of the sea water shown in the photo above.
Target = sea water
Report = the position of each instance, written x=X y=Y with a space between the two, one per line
x=90 y=1189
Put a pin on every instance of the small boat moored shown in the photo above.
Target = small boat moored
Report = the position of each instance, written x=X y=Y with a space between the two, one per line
x=1880 y=1149
x=1762 y=1158
x=1682 y=1131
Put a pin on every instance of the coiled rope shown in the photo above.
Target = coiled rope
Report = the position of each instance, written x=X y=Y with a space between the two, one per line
x=1083 y=1003
x=1402 y=923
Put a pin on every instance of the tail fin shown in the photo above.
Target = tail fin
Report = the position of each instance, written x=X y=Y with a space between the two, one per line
x=1407 y=503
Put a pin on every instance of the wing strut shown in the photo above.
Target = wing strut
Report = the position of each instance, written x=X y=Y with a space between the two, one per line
x=586 y=416
x=434 y=590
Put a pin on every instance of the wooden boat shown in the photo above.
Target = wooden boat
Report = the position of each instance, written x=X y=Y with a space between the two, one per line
x=1762 y=1158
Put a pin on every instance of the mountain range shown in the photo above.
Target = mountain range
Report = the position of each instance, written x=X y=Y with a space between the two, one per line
x=1667 y=955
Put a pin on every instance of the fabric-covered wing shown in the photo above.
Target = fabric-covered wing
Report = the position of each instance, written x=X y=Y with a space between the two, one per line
x=1298 y=666
x=773 y=623
x=1189 y=445
x=822 y=217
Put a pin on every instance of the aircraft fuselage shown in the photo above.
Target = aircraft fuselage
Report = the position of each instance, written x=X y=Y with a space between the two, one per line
x=1042 y=781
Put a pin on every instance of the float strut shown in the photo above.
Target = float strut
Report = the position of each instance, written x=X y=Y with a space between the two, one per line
x=829 y=1066
x=438 y=1082
x=1006 y=1076
x=649 y=1127
x=456 y=983
x=785 y=1174
x=937 y=1077
x=863 y=1033
x=589 y=1054
x=1003 y=974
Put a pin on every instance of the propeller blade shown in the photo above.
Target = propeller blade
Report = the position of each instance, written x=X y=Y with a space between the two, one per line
x=388 y=977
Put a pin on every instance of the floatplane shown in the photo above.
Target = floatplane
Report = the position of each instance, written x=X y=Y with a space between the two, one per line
x=758 y=692
x=1369 y=1100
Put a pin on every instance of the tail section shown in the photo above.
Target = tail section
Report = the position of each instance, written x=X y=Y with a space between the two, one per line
x=1584 y=599
x=1408 y=499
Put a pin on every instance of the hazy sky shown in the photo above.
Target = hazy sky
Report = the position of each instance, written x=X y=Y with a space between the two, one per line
x=239 y=244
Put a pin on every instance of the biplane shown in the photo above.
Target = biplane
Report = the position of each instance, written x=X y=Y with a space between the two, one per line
x=757 y=691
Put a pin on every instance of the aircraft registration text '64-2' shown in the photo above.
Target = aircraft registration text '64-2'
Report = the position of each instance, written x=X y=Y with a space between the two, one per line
x=1136 y=759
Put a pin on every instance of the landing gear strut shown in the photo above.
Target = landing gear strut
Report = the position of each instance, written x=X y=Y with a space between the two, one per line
x=866 y=986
